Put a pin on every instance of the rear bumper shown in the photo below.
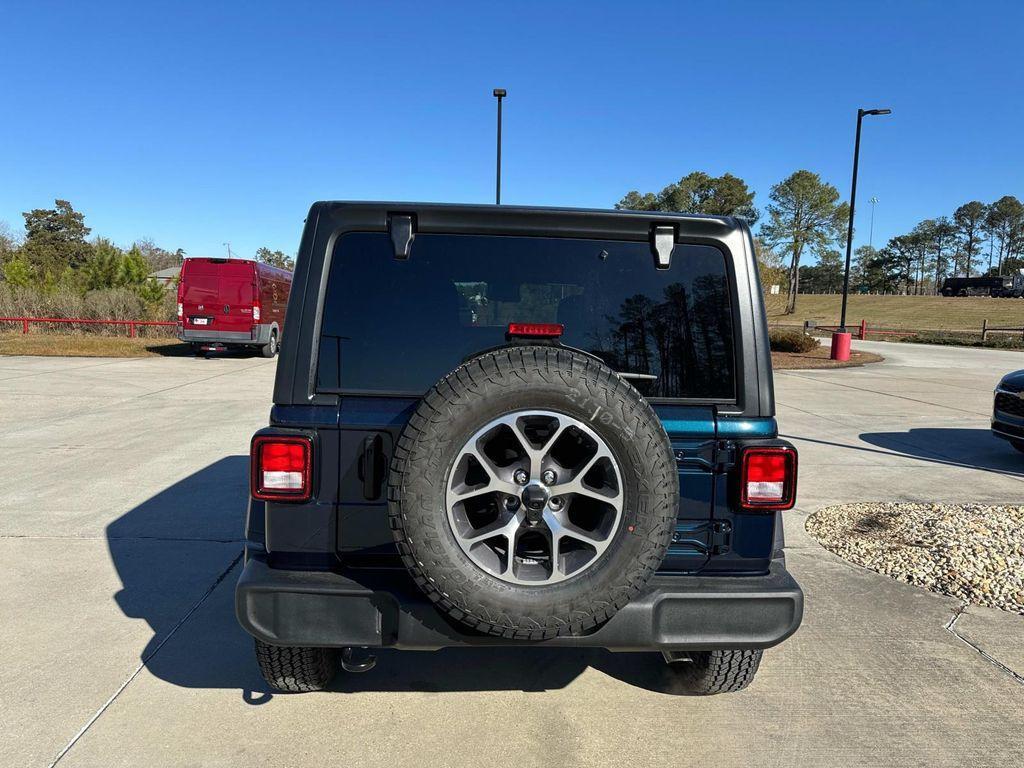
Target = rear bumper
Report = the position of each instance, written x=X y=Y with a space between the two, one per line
x=384 y=609
x=1008 y=426
x=1006 y=429
x=260 y=334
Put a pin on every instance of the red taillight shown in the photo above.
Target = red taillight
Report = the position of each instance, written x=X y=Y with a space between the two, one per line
x=542 y=330
x=281 y=468
x=256 y=312
x=768 y=478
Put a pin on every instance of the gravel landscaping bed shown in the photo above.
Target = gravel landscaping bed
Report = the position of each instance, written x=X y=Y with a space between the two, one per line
x=969 y=551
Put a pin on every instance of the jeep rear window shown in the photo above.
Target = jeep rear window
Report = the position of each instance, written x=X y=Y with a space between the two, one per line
x=396 y=327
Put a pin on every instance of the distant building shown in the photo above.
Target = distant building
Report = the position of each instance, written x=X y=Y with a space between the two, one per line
x=166 y=277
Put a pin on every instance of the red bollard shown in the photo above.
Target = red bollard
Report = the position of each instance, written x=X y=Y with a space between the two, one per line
x=840 y=346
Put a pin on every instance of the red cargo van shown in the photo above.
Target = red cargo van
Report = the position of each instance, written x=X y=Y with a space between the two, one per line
x=232 y=303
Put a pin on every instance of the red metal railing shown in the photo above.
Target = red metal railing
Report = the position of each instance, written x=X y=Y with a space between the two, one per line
x=132 y=324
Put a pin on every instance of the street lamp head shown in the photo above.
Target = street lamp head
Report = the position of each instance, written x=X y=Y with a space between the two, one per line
x=500 y=92
x=876 y=111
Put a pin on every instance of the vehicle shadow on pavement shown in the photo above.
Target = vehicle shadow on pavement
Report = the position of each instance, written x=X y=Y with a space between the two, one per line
x=528 y=669
x=177 y=555
x=971 y=448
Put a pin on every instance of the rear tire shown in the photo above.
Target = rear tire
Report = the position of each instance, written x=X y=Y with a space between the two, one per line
x=711 y=672
x=294 y=669
x=270 y=348
x=510 y=383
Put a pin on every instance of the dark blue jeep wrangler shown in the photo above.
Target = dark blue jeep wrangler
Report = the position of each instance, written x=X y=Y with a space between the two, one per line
x=520 y=426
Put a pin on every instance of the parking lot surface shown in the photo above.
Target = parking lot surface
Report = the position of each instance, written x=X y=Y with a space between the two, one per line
x=121 y=504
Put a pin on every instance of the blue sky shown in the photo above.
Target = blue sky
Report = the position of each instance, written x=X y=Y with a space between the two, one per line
x=197 y=124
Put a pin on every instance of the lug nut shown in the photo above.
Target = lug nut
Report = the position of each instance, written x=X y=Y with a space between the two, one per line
x=555 y=502
x=520 y=476
x=549 y=477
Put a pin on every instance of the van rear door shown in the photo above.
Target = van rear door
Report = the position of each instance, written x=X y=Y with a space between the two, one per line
x=218 y=294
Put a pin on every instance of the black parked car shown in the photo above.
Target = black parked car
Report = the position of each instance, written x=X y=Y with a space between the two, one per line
x=1008 y=410
x=520 y=426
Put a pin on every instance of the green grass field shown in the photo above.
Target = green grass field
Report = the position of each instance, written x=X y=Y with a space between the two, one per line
x=910 y=312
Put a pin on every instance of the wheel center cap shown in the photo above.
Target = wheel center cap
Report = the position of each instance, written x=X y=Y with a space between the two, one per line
x=535 y=497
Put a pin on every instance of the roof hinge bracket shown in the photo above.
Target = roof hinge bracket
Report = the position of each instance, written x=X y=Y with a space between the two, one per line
x=724 y=456
x=663 y=239
x=402 y=227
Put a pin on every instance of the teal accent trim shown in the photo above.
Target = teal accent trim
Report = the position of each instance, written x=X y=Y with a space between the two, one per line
x=689 y=427
x=739 y=429
x=687 y=421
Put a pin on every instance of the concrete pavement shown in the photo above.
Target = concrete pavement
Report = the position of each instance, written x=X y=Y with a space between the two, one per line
x=121 y=503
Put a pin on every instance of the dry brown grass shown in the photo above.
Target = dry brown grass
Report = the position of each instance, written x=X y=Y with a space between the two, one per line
x=88 y=345
x=819 y=358
x=911 y=312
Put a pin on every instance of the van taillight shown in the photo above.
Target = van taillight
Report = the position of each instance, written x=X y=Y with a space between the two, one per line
x=281 y=468
x=256 y=312
x=180 y=312
x=768 y=478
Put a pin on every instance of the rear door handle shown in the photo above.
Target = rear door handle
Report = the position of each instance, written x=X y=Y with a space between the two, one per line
x=370 y=466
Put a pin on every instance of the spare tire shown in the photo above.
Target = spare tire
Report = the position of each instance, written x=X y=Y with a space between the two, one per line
x=532 y=493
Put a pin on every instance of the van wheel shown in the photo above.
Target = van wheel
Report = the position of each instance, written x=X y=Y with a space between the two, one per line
x=270 y=348
x=708 y=672
x=295 y=669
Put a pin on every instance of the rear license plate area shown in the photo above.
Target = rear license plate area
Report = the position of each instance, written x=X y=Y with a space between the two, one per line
x=200 y=321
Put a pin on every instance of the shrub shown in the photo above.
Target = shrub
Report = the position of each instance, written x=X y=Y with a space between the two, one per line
x=968 y=339
x=791 y=341
x=105 y=304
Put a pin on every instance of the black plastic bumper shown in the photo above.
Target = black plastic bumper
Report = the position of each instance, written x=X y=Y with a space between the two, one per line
x=384 y=609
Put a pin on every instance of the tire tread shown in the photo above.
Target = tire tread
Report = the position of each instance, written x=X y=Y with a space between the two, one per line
x=296 y=669
x=724 y=671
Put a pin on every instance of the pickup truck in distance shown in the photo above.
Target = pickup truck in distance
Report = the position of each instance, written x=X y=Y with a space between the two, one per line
x=224 y=303
x=496 y=425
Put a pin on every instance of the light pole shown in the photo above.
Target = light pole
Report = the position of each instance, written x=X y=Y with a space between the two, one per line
x=499 y=94
x=871 y=231
x=849 y=230
x=228 y=247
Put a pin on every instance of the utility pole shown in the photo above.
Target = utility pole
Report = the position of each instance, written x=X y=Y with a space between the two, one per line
x=228 y=247
x=853 y=201
x=499 y=94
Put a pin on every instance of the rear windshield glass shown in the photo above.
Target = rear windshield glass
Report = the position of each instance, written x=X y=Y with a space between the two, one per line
x=392 y=326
